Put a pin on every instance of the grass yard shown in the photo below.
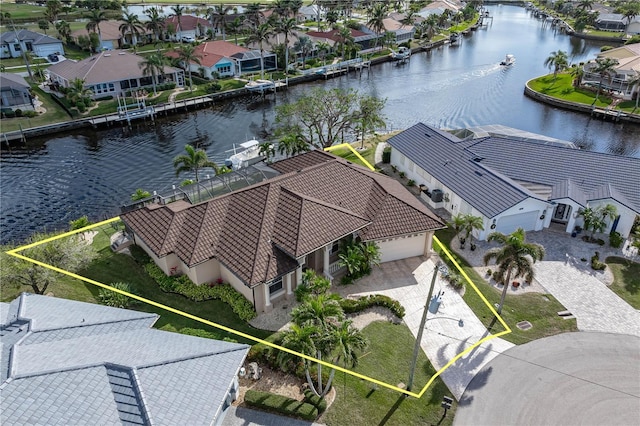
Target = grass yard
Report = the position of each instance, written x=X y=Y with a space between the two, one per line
x=541 y=310
x=54 y=114
x=387 y=358
x=562 y=88
x=626 y=282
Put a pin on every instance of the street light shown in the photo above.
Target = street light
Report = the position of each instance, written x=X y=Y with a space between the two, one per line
x=443 y=269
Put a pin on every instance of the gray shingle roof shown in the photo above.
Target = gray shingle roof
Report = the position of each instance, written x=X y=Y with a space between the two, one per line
x=26 y=35
x=13 y=81
x=61 y=373
x=444 y=157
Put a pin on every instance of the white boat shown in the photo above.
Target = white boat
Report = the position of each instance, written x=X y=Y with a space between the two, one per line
x=260 y=85
x=249 y=154
x=402 y=53
x=508 y=60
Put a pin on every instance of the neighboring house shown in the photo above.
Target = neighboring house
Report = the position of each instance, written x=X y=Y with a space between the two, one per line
x=261 y=238
x=244 y=60
x=611 y=22
x=364 y=40
x=15 y=42
x=211 y=62
x=628 y=57
x=403 y=33
x=112 y=37
x=438 y=7
x=190 y=26
x=310 y=13
x=110 y=73
x=15 y=92
x=72 y=363
x=515 y=180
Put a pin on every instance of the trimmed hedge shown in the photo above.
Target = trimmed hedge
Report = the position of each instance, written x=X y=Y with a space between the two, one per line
x=182 y=285
x=596 y=265
x=350 y=306
x=280 y=404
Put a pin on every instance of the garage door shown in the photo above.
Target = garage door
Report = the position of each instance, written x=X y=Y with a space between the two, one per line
x=401 y=248
x=526 y=221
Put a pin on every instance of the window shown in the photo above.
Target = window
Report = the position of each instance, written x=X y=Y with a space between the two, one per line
x=223 y=69
x=334 y=247
x=17 y=47
x=275 y=286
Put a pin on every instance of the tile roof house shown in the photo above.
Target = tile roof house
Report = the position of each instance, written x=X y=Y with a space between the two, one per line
x=110 y=73
x=227 y=58
x=72 y=363
x=112 y=37
x=517 y=181
x=210 y=61
x=628 y=67
x=260 y=238
x=333 y=37
x=190 y=25
x=40 y=44
x=15 y=92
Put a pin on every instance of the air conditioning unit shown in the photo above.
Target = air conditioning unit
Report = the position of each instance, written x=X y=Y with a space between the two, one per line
x=437 y=195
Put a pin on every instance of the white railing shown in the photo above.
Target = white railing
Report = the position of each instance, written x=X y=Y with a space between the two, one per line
x=334 y=267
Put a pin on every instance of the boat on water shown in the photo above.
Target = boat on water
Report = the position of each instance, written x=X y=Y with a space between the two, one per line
x=454 y=38
x=244 y=155
x=401 y=54
x=260 y=85
x=508 y=60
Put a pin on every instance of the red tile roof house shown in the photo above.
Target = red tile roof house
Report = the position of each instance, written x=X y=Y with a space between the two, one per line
x=260 y=238
x=211 y=62
x=110 y=73
x=189 y=26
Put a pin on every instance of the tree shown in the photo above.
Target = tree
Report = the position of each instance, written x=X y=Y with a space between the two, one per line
x=321 y=117
x=558 y=61
x=595 y=218
x=155 y=22
x=516 y=256
x=131 y=24
x=140 y=194
x=77 y=92
x=577 y=72
x=193 y=161
x=292 y=144
x=219 y=12
x=377 y=14
x=630 y=10
x=187 y=55
x=472 y=223
x=605 y=68
x=370 y=116
x=254 y=13
x=634 y=82
x=304 y=45
x=64 y=30
x=457 y=224
x=53 y=9
x=260 y=35
x=43 y=24
x=286 y=27
x=346 y=39
x=323 y=48
x=70 y=253
x=81 y=222
x=584 y=5
x=235 y=26
x=153 y=65
x=267 y=150
x=95 y=17
x=177 y=12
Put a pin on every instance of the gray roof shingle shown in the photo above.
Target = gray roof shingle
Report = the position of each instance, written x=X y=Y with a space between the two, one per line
x=26 y=35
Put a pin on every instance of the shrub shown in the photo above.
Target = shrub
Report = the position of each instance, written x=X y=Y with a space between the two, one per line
x=350 y=306
x=411 y=182
x=183 y=285
x=615 y=239
x=402 y=175
x=280 y=404
x=206 y=334
x=315 y=400
x=115 y=299
x=18 y=112
x=596 y=265
x=497 y=277
x=9 y=113
x=213 y=87
x=29 y=114
x=386 y=155
x=455 y=280
x=105 y=98
x=81 y=107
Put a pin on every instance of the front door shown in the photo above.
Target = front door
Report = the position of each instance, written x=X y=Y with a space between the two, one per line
x=561 y=213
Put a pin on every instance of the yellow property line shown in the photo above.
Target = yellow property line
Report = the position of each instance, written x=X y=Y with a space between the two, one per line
x=357 y=154
x=16 y=253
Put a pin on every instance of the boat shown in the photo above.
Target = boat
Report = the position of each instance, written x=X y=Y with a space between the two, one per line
x=401 y=54
x=260 y=85
x=249 y=154
x=453 y=38
x=508 y=60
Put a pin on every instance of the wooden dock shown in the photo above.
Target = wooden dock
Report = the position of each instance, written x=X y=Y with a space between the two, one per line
x=605 y=114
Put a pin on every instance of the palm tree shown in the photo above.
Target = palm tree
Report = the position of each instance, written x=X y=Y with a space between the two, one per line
x=178 y=12
x=457 y=224
x=131 y=24
x=377 y=14
x=94 y=17
x=235 y=26
x=153 y=65
x=220 y=11
x=292 y=144
x=77 y=91
x=254 y=13
x=595 y=218
x=515 y=256
x=304 y=45
x=346 y=39
x=267 y=150
x=605 y=68
x=369 y=115
x=342 y=342
x=583 y=5
x=155 y=22
x=558 y=60
x=472 y=223
x=577 y=72
x=286 y=27
x=187 y=55
x=193 y=161
x=64 y=30
x=323 y=48
x=260 y=35
x=299 y=338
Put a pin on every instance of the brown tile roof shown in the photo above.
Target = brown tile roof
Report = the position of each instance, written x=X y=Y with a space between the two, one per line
x=257 y=232
x=109 y=30
x=223 y=48
x=203 y=52
x=187 y=22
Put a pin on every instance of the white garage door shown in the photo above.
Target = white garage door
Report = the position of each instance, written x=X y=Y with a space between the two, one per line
x=526 y=221
x=401 y=248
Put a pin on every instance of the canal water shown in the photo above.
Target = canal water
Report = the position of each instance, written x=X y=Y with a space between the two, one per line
x=55 y=180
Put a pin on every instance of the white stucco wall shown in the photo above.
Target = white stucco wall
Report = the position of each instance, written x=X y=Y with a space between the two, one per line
x=401 y=248
x=627 y=216
x=164 y=263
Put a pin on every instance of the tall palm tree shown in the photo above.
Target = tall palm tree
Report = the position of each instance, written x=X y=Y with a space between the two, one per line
x=192 y=161
x=178 y=11
x=220 y=11
x=577 y=72
x=155 y=22
x=64 y=30
x=472 y=223
x=323 y=48
x=77 y=91
x=235 y=26
x=131 y=24
x=286 y=26
x=342 y=342
x=583 y=5
x=346 y=39
x=558 y=61
x=187 y=55
x=95 y=17
x=377 y=14
x=260 y=35
x=253 y=12
x=304 y=45
x=515 y=256
x=605 y=68
x=153 y=65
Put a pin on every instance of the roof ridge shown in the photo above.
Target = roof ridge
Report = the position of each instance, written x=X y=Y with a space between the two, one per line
x=83 y=325
x=263 y=232
x=238 y=347
x=309 y=198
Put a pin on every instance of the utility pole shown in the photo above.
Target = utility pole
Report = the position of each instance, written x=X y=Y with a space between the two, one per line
x=22 y=49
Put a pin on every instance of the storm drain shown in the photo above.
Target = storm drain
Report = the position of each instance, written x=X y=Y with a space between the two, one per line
x=524 y=325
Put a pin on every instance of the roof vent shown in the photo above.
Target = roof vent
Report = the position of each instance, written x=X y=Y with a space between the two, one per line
x=427 y=135
x=478 y=173
x=478 y=159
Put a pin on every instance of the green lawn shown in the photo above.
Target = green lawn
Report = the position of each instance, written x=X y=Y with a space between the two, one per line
x=541 y=310
x=54 y=114
x=562 y=88
x=368 y=154
x=626 y=282
x=388 y=359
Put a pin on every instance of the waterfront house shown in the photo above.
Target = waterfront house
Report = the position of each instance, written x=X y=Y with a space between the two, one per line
x=361 y=38
x=111 y=73
x=260 y=238
x=611 y=22
x=227 y=58
x=112 y=37
x=438 y=7
x=15 y=92
x=212 y=64
x=190 y=26
x=514 y=179
x=622 y=79
x=72 y=363
x=13 y=43
x=402 y=33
